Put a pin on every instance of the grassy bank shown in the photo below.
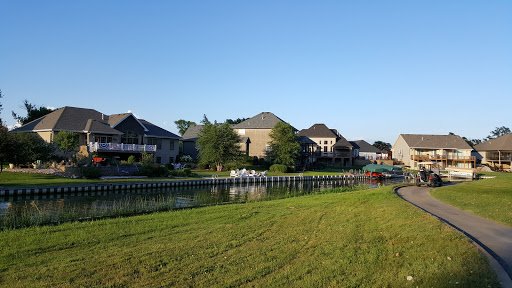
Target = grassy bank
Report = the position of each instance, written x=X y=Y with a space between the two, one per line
x=489 y=198
x=366 y=239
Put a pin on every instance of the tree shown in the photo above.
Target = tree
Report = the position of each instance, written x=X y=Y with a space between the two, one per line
x=284 y=146
x=27 y=148
x=183 y=125
x=6 y=146
x=498 y=132
x=33 y=113
x=237 y=121
x=382 y=146
x=1 y=96
x=66 y=141
x=218 y=144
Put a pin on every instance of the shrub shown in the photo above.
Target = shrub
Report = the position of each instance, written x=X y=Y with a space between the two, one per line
x=186 y=158
x=131 y=159
x=187 y=171
x=178 y=173
x=203 y=166
x=153 y=171
x=147 y=159
x=169 y=166
x=231 y=166
x=278 y=168
x=91 y=172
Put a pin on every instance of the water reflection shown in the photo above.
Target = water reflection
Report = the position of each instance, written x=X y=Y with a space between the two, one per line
x=183 y=196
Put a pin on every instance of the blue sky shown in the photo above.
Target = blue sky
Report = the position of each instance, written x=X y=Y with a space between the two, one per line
x=371 y=69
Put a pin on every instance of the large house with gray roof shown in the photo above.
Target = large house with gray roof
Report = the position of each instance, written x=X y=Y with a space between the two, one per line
x=255 y=133
x=446 y=150
x=497 y=152
x=117 y=135
x=331 y=145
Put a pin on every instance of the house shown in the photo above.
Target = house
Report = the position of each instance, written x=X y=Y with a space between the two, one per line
x=447 y=150
x=331 y=146
x=497 y=152
x=255 y=133
x=365 y=150
x=189 y=139
x=117 y=135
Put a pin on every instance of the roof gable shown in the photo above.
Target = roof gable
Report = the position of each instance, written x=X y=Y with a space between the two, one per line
x=365 y=146
x=501 y=143
x=264 y=120
x=435 y=141
x=116 y=119
x=192 y=132
x=318 y=131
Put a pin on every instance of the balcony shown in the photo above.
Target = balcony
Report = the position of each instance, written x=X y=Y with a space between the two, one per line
x=442 y=158
x=120 y=147
x=333 y=155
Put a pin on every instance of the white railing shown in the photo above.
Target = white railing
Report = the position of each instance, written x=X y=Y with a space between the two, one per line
x=96 y=146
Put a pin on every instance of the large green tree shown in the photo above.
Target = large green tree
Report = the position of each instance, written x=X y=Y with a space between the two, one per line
x=66 y=141
x=6 y=147
x=183 y=125
x=27 y=148
x=33 y=112
x=382 y=146
x=237 y=121
x=284 y=146
x=498 y=132
x=1 y=108
x=218 y=144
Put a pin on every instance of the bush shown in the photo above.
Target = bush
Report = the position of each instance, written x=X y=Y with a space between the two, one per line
x=319 y=165
x=187 y=171
x=153 y=171
x=91 y=172
x=178 y=173
x=131 y=159
x=231 y=166
x=280 y=168
x=203 y=166
x=186 y=158
x=169 y=166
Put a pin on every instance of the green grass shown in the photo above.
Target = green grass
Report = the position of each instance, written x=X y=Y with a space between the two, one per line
x=355 y=239
x=489 y=198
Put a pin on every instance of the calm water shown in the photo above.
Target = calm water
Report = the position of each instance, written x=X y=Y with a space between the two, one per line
x=184 y=196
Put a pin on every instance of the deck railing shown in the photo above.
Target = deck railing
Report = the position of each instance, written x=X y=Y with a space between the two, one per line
x=120 y=147
x=442 y=157
x=333 y=155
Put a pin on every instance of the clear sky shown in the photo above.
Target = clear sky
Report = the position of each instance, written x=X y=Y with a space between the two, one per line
x=370 y=69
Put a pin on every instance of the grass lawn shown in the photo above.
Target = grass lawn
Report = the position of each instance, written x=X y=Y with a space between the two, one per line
x=489 y=198
x=366 y=239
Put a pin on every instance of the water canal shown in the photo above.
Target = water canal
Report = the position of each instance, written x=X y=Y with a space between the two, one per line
x=180 y=197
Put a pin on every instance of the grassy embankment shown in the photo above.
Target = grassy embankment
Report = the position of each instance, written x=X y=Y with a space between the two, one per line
x=16 y=179
x=489 y=198
x=366 y=239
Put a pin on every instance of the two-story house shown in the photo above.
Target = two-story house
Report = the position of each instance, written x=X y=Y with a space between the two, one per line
x=331 y=145
x=118 y=135
x=446 y=150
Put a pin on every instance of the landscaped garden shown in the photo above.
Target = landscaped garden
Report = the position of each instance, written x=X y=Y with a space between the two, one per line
x=368 y=238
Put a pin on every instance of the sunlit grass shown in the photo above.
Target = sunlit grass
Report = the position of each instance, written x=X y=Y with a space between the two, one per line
x=365 y=239
x=489 y=198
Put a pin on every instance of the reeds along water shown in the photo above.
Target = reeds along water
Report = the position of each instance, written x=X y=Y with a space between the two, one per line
x=37 y=213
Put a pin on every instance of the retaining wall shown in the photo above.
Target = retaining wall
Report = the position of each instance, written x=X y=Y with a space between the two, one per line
x=12 y=191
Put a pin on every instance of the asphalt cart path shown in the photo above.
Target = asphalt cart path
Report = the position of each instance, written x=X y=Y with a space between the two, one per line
x=493 y=239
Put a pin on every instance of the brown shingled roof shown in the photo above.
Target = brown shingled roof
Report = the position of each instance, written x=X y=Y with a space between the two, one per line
x=264 y=120
x=318 y=131
x=435 y=141
x=501 y=143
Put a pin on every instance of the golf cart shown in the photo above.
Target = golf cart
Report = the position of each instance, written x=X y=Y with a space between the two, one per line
x=428 y=175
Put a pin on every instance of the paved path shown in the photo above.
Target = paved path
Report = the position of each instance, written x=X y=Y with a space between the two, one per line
x=494 y=238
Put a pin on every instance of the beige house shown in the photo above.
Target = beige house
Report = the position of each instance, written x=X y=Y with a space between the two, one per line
x=117 y=135
x=330 y=145
x=255 y=133
x=497 y=152
x=446 y=150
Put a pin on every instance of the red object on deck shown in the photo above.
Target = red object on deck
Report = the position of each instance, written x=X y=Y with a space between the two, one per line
x=374 y=174
x=97 y=159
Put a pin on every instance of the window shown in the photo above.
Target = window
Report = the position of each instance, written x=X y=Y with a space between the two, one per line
x=325 y=142
x=103 y=139
x=171 y=159
x=325 y=148
x=130 y=137
x=241 y=131
x=172 y=145
x=154 y=141
x=158 y=160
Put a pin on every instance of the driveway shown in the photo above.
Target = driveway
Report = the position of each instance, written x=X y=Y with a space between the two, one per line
x=495 y=239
